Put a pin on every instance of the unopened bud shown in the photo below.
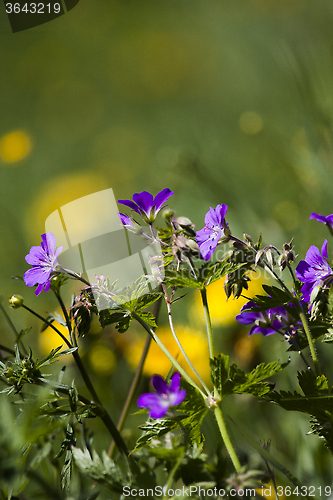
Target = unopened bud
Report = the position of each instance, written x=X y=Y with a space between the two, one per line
x=168 y=213
x=16 y=301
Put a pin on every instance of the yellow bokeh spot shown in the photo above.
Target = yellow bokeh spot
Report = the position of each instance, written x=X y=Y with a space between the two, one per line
x=222 y=311
x=250 y=123
x=102 y=359
x=49 y=339
x=15 y=146
x=194 y=343
x=59 y=191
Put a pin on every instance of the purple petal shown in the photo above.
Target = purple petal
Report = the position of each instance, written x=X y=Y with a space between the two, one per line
x=148 y=400
x=246 y=318
x=48 y=243
x=319 y=218
x=125 y=219
x=324 y=250
x=39 y=289
x=160 y=385
x=221 y=210
x=36 y=275
x=177 y=397
x=207 y=248
x=145 y=201
x=175 y=382
x=159 y=410
x=161 y=198
x=302 y=269
x=130 y=204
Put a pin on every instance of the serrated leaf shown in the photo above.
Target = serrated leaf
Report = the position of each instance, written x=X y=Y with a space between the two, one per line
x=232 y=380
x=99 y=469
x=148 y=317
x=328 y=337
x=147 y=300
x=317 y=402
x=67 y=470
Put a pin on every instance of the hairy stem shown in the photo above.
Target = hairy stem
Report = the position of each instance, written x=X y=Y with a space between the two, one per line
x=168 y=303
x=225 y=437
x=166 y=352
x=208 y=323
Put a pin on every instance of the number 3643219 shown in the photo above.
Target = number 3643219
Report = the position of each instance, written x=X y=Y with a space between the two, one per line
x=33 y=8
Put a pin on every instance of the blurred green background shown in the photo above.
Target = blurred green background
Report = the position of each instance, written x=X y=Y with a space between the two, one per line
x=222 y=102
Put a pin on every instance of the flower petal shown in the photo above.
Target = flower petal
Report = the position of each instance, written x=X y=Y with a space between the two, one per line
x=145 y=201
x=319 y=218
x=175 y=382
x=160 y=385
x=161 y=198
x=130 y=204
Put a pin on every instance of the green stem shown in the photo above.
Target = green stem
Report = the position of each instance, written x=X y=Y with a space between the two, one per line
x=132 y=390
x=225 y=436
x=12 y=326
x=49 y=324
x=208 y=323
x=171 y=476
x=105 y=417
x=166 y=352
x=310 y=341
x=168 y=303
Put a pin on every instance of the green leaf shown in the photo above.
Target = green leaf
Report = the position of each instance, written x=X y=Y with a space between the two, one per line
x=147 y=300
x=99 y=469
x=317 y=401
x=232 y=380
x=148 y=317
x=54 y=355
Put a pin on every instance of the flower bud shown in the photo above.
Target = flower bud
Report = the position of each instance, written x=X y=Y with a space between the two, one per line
x=16 y=301
x=168 y=213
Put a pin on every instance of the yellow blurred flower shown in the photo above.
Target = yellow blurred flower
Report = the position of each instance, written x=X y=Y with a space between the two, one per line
x=223 y=311
x=194 y=343
x=102 y=359
x=49 y=339
x=15 y=146
x=58 y=192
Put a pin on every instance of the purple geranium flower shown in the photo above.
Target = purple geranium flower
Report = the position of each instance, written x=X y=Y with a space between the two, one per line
x=166 y=395
x=147 y=206
x=314 y=270
x=265 y=322
x=215 y=229
x=44 y=260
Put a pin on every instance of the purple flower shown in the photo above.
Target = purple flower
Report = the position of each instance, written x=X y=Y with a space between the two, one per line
x=44 y=260
x=328 y=220
x=314 y=270
x=130 y=224
x=265 y=322
x=166 y=395
x=147 y=206
x=215 y=229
